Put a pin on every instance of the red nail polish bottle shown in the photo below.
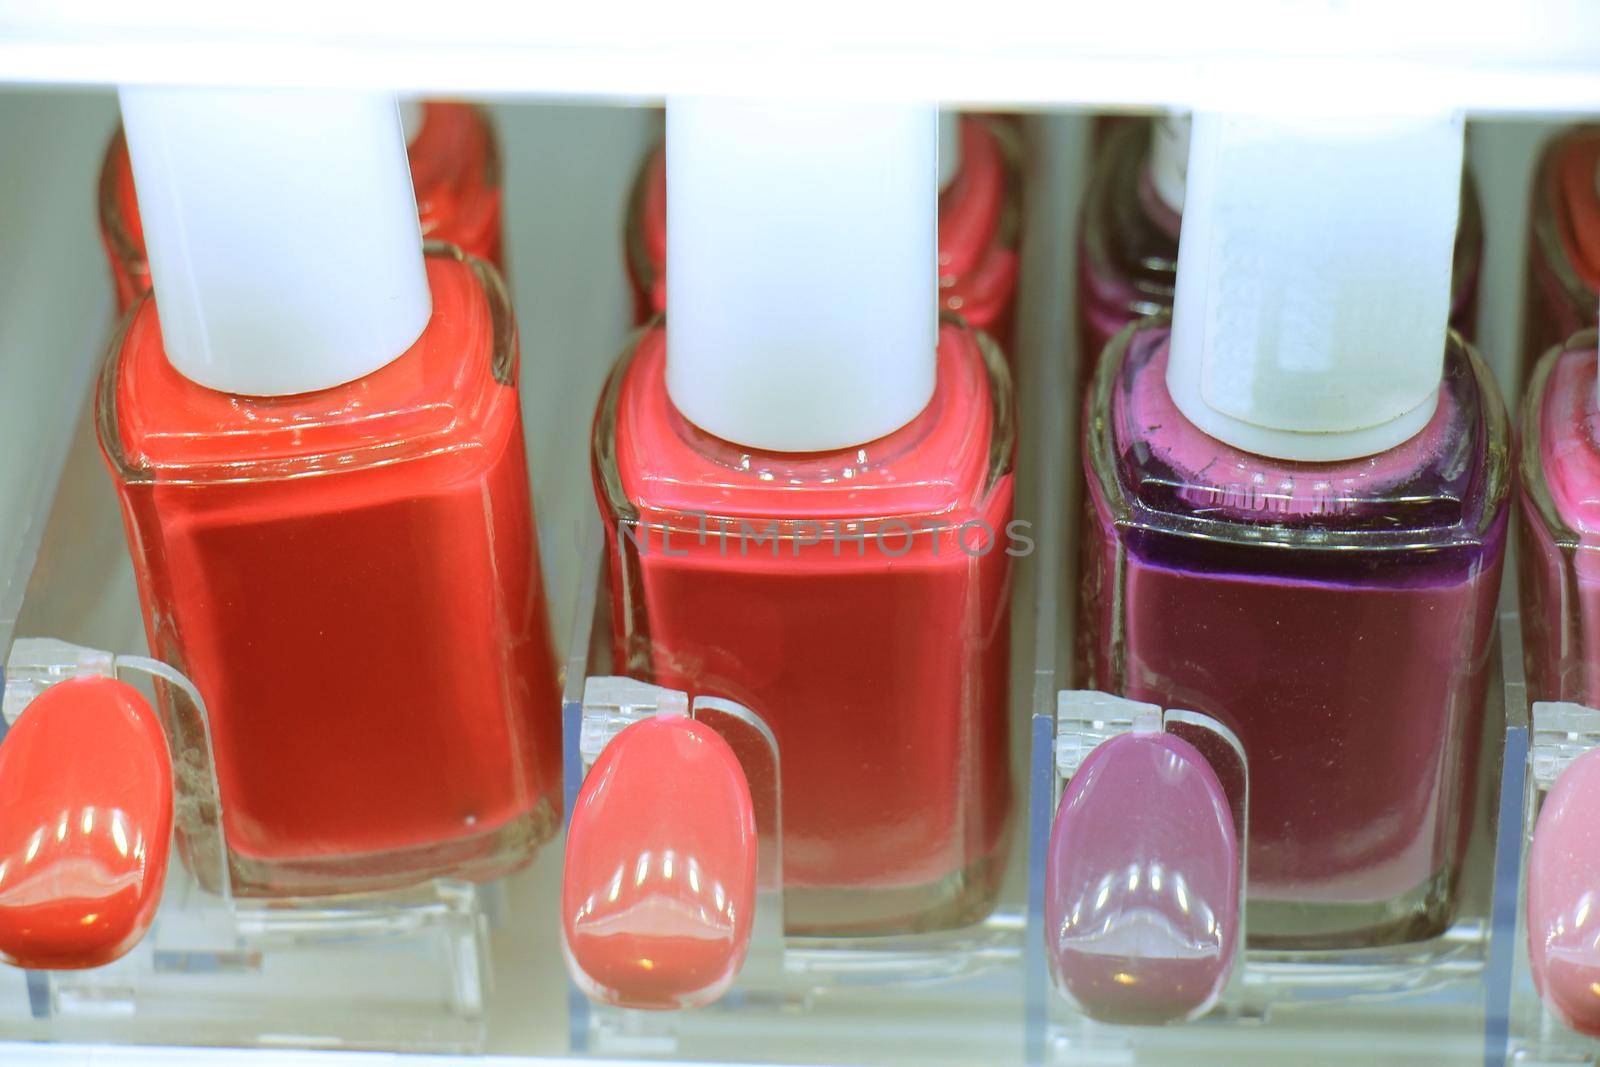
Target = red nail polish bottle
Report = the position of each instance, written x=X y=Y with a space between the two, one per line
x=978 y=221
x=807 y=485
x=1563 y=243
x=455 y=172
x=315 y=433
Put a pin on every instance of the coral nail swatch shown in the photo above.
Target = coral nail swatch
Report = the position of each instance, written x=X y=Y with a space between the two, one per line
x=658 y=889
x=85 y=825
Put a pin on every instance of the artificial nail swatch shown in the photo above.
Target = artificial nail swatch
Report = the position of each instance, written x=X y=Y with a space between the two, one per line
x=1142 y=883
x=85 y=822
x=1563 y=894
x=658 y=893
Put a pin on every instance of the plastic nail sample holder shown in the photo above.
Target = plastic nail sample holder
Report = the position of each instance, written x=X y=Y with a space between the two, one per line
x=1444 y=983
x=959 y=985
x=402 y=970
x=1544 y=741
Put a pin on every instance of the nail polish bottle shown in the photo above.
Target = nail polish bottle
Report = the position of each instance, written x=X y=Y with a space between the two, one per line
x=455 y=173
x=979 y=215
x=315 y=434
x=1559 y=516
x=1298 y=494
x=1128 y=235
x=806 y=480
x=1563 y=243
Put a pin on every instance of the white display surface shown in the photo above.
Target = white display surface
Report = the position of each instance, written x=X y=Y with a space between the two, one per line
x=1535 y=56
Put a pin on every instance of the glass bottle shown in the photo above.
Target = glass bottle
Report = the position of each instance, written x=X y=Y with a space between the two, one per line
x=805 y=511
x=1323 y=581
x=318 y=447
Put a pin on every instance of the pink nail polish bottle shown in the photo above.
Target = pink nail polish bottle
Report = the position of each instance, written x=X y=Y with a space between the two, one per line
x=1128 y=241
x=979 y=215
x=1298 y=496
x=1560 y=521
x=806 y=479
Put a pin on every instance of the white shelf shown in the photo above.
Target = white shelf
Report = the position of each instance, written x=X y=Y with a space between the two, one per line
x=1489 y=57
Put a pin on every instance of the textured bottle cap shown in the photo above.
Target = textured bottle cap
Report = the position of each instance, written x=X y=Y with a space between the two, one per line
x=282 y=233
x=949 y=147
x=801 y=248
x=1313 y=291
x=1169 y=158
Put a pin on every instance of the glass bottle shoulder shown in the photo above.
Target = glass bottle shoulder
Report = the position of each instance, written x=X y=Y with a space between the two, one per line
x=451 y=391
x=1448 y=484
x=455 y=170
x=651 y=463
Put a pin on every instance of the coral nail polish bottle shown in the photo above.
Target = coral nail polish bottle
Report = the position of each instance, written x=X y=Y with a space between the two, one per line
x=315 y=433
x=1298 y=514
x=1560 y=521
x=455 y=173
x=979 y=216
x=1128 y=237
x=1563 y=243
x=806 y=480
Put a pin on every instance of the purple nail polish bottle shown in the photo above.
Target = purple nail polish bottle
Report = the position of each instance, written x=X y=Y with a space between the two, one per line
x=1299 y=501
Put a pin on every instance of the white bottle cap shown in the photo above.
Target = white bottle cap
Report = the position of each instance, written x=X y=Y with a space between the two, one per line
x=282 y=233
x=1313 y=288
x=949 y=147
x=1169 y=159
x=802 y=258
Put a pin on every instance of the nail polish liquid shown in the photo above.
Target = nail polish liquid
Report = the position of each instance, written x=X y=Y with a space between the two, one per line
x=1128 y=237
x=455 y=173
x=805 y=514
x=1333 y=608
x=979 y=217
x=1560 y=522
x=1563 y=287
x=348 y=572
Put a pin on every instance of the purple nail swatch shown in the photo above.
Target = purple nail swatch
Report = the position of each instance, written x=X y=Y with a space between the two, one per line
x=1142 y=883
x=1564 y=897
